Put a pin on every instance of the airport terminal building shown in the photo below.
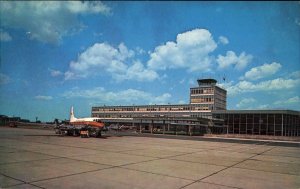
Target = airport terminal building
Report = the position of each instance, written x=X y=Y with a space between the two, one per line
x=203 y=100
x=206 y=113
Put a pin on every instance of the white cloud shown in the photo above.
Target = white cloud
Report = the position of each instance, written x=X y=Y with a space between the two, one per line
x=223 y=40
x=181 y=102
x=137 y=72
x=270 y=85
x=121 y=97
x=265 y=70
x=139 y=50
x=162 y=99
x=4 y=36
x=87 y=8
x=47 y=21
x=239 y=62
x=99 y=58
x=41 y=97
x=225 y=85
x=97 y=34
x=55 y=73
x=295 y=74
x=103 y=58
x=4 y=79
x=191 y=51
x=297 y=21
x=292 y=100
x=263 y=107
x=70 y=75
x=246 y=103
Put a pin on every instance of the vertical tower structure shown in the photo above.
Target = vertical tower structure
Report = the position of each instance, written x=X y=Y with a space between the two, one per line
x=208 y=95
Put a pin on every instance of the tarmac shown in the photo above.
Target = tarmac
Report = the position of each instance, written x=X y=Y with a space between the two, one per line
x=33 y=158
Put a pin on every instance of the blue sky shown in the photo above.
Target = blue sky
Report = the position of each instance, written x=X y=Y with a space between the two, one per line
x=58 y=54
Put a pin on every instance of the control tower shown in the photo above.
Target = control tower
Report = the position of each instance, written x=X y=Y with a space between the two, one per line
x=208 y=95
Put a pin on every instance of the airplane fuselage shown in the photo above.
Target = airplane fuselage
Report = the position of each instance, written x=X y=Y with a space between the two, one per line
x=89 y=121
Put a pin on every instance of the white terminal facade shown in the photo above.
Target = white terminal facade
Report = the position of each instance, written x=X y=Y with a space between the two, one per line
x=204 y=99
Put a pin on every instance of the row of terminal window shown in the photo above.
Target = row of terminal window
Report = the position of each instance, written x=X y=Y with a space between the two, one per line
x=202 y=91
x=144 y=115
x=186 y=108
x=193 y=100
x=197 y=99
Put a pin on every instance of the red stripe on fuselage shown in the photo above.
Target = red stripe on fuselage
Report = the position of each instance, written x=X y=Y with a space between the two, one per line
x=90 y=123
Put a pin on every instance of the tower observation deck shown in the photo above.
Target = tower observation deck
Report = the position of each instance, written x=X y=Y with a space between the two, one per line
x=202 y=82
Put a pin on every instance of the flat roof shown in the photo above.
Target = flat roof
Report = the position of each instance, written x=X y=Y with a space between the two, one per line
x=153 y=105
x=294 y=112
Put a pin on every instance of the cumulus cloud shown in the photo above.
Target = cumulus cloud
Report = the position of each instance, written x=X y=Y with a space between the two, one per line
x=191 y=51
x=4 y=36
x=104 y=58
x=182 y=102
x=4 y=79
x=137 y=72
x=226 y=85
x=223 y=40
x=140 y=51
x=230 y=59
x=265 y=70
x=269 y=85
x=292 y=100
x=47 y=21
x=295 y=74
x=297 y=21
x=41 y=97
x=263 y=107
x=98 y=58
x=120 y=97
x=246 y=103
x=162 y=99
x=55 y=73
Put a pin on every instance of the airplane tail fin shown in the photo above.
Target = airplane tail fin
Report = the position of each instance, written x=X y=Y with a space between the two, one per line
x=72 y=117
